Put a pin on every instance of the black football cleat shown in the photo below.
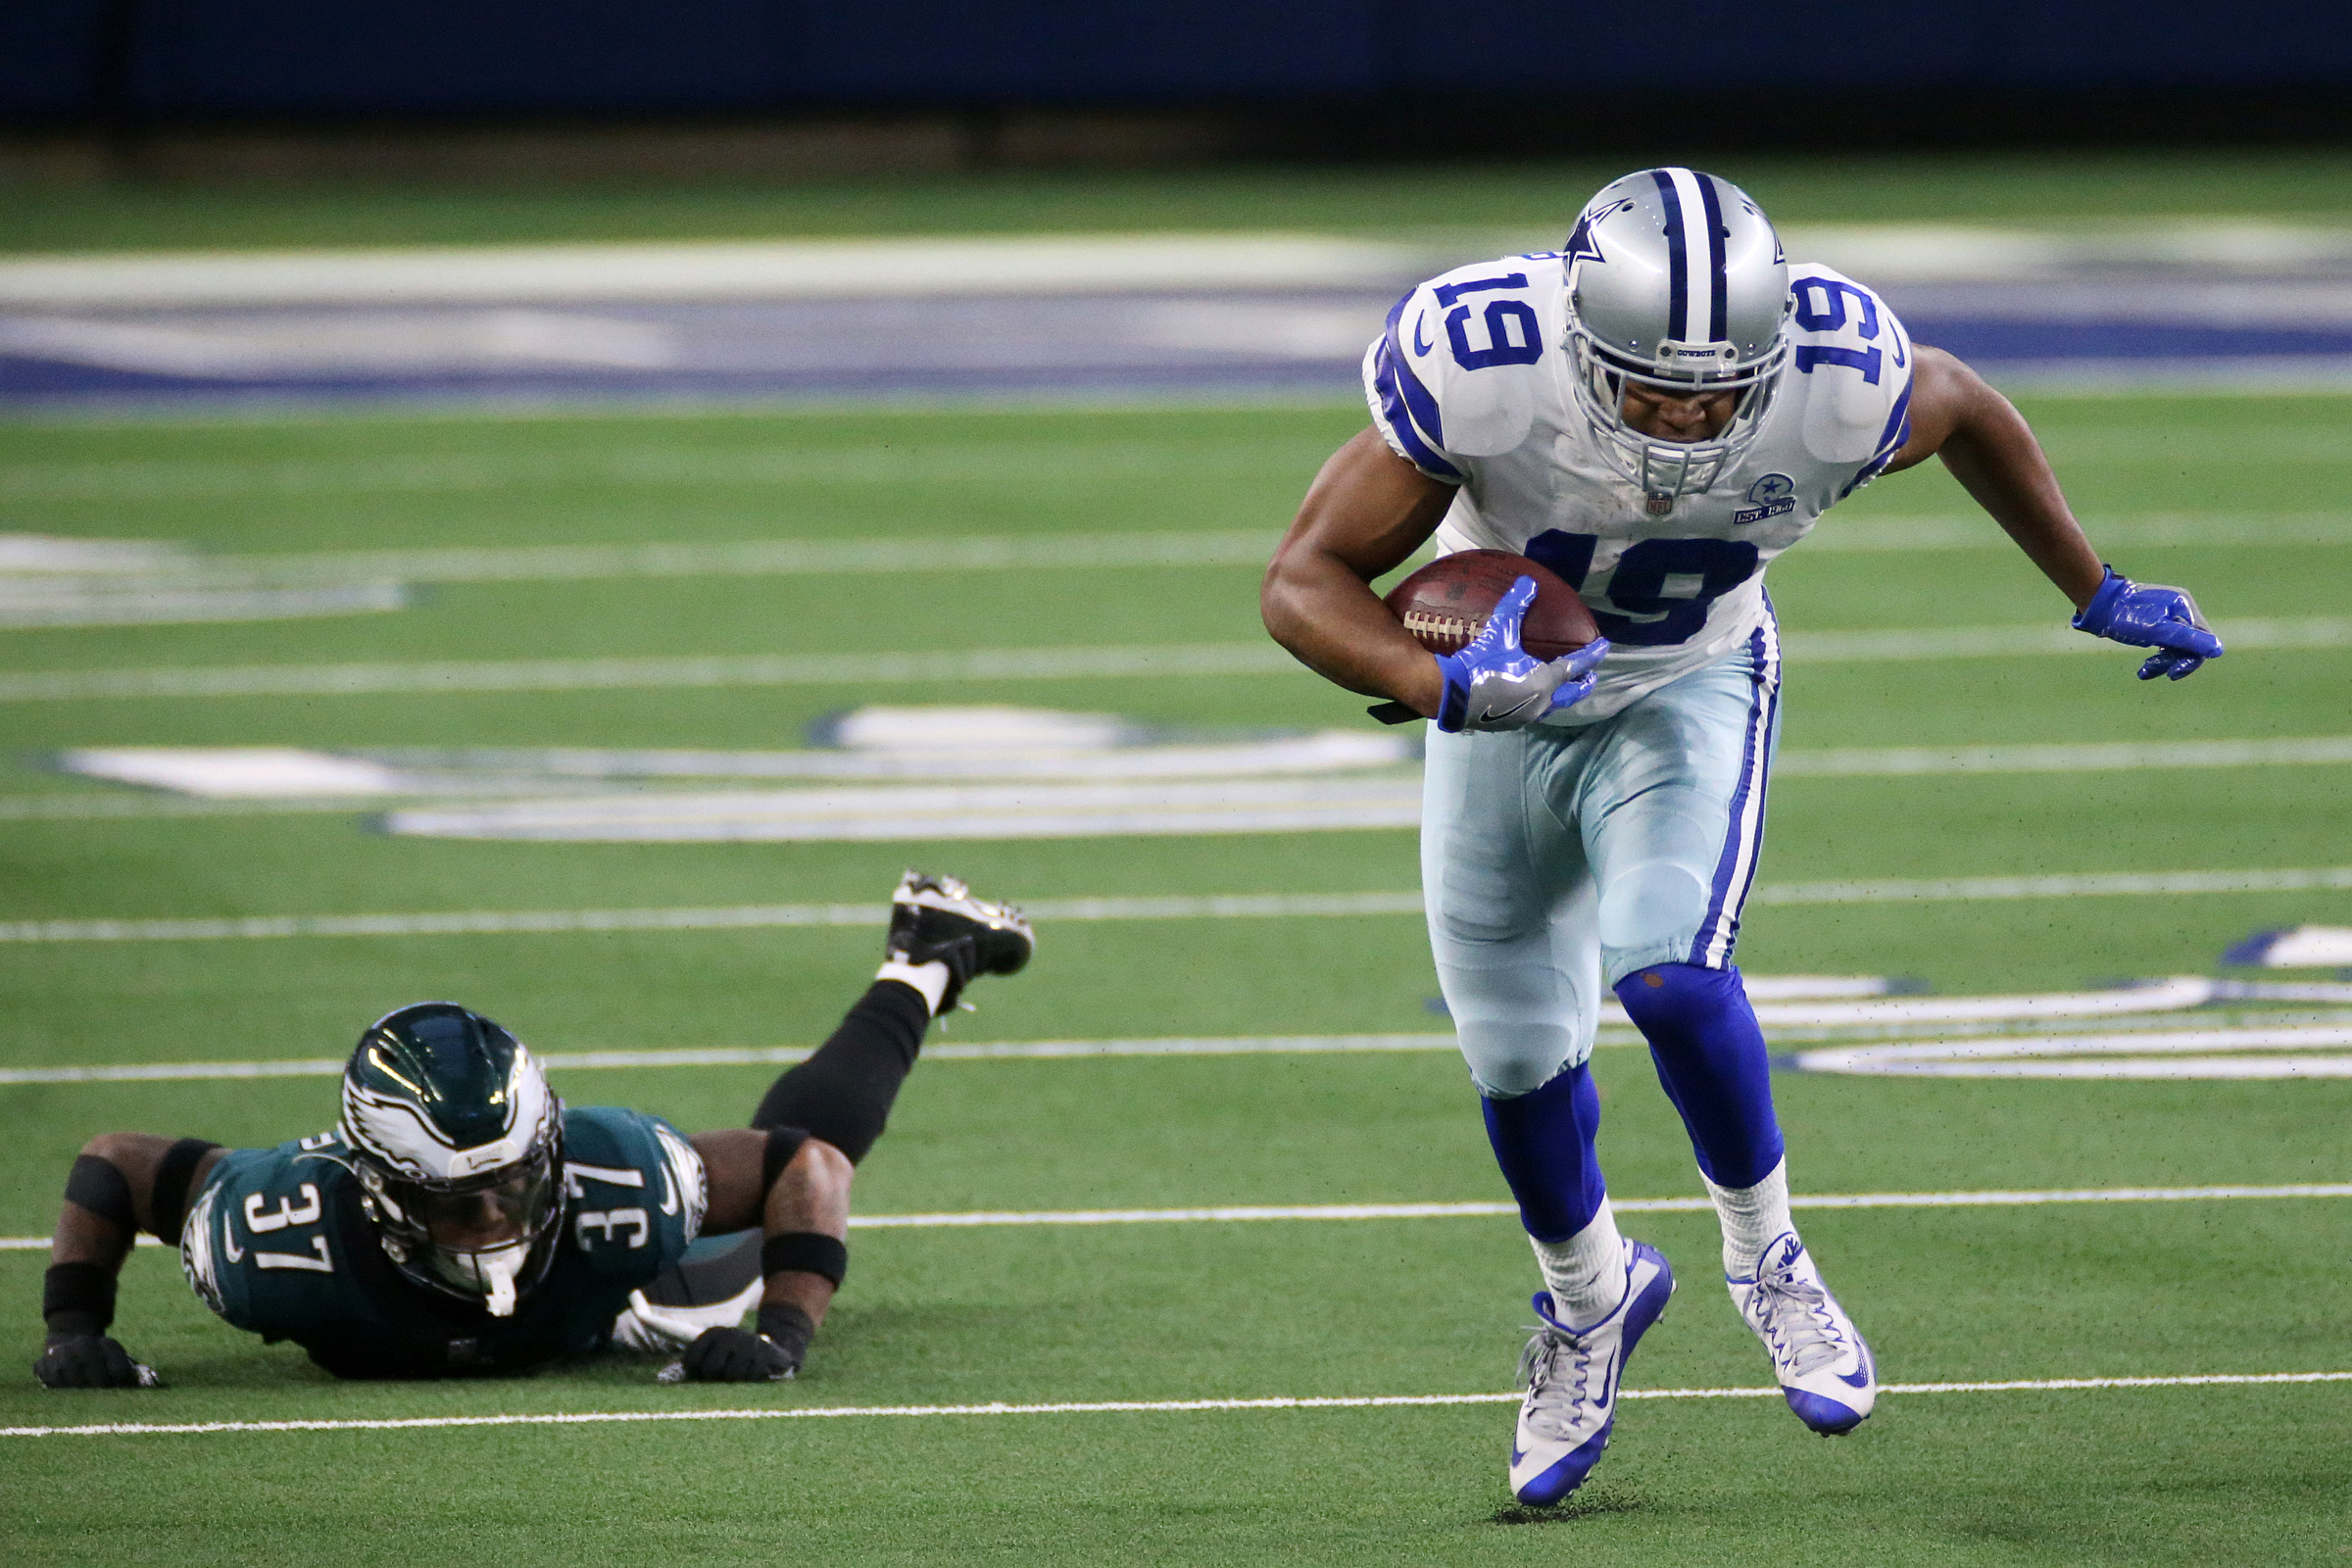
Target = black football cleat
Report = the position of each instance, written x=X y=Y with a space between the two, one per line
x=935 y=920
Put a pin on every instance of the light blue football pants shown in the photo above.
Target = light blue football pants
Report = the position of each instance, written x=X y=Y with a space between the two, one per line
x=1555 y=860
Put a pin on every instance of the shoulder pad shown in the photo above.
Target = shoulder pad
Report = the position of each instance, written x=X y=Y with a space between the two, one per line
x=631 y=1181
x=1851 y=361
x=1458 y=372
x=258 y=1243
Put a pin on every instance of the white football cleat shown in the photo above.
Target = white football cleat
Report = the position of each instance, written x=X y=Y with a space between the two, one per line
x=1571 y=1380
x=936 y=919
x=1824 y=1371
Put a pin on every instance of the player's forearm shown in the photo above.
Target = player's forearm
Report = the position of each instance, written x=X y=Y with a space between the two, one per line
x=1331 y=621
x=810 y=1199
x=1992 y=452
x=1366 y=513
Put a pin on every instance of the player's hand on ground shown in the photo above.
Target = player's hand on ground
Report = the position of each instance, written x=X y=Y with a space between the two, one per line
x=2150 y=614
x=91 y=1361
x=1496 y=684
x=738 y=1355
x=734 y=1355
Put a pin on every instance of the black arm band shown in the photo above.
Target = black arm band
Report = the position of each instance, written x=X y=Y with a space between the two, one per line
x=806 y=1252
x=782 y=1143
x=99 y=1187
x=170 y=1204
x=77 y=1298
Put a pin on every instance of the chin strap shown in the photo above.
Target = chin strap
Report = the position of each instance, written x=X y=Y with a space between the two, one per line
x=499 y=1274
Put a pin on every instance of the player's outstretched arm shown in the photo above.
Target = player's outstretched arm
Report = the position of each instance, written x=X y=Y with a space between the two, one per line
x=1990 y=450
x=121 y=1183
x=1366 y=511
x=801 y=1206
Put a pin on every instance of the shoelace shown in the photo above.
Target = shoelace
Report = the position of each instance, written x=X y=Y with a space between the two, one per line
x=1539 y=1367
x=1796 y=1313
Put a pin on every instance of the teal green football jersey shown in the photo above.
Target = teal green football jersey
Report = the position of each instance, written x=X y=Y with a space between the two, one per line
x=276 y=1243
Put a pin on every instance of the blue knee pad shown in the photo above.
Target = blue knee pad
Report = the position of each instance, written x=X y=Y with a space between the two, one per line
x=1544 y=1141
x=1712 y=1060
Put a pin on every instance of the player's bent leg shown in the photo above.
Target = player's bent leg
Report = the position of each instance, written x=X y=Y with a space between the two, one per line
x=1714 y=1065
x=941 y=938
x=1511 y=929
x=1676 y=797
x=1711 y=1059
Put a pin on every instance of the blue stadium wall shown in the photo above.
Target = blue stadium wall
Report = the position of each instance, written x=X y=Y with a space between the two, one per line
x=333 y=58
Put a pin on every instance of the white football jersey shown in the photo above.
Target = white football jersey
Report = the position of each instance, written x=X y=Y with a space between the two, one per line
x=1469 y=386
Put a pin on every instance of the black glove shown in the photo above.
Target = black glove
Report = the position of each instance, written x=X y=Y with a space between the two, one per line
x=91 y=1361
x=732 y=1356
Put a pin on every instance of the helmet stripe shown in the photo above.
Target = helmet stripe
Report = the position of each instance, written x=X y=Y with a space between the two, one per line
x=1678 y=257
x=1719 y=310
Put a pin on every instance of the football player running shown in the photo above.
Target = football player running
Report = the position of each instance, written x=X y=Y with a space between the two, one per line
x=462 y=1220
x=1653 y=412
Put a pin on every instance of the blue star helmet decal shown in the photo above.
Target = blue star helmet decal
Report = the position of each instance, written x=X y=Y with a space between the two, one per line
x=1581 y=245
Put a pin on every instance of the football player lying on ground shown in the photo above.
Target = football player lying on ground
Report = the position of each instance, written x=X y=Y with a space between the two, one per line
x=1653 y=412
x=462 y=1220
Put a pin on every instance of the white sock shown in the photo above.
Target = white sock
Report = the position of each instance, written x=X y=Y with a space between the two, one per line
x=1751 y=1216
x=931 y=979
x=1586 y=1273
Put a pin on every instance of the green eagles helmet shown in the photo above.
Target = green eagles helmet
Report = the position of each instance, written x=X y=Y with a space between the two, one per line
x=456 y=1141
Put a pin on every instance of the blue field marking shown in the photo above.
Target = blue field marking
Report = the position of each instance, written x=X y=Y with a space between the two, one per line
x=1196 y=344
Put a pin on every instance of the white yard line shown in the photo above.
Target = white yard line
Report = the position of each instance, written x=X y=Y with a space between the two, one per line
x=108 y=602
x=776 y=1055
x=1786 y=1015
x=2210 y=530
x=862 y=670
x=1224 y=906
x=1026 y=811
x=400 y=783
x=1227 y=1214
x=769 y=557
x=1248 y=905
x=2010 y=642
x=867 y=670
x=846 y=269
x=1905 y=890
x=996 y=664
x=762 y=558
x=1632 y=1206
x=1902 y=1058
x=1899 y=761
x=1120 y=1406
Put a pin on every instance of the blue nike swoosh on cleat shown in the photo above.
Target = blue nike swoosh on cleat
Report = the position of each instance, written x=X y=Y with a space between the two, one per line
x=1855 y=1380
x=1518 y=1457
x=1420 y=348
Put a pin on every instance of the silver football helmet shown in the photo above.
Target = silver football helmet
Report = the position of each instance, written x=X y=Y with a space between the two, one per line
x=456 y=1141
x=1675 y=281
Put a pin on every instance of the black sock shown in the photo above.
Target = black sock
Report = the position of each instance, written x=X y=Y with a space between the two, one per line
x=843 y=1094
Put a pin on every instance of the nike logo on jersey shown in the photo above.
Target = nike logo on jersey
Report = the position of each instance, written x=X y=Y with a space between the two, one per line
x=1420 y=348
x=229 y=1242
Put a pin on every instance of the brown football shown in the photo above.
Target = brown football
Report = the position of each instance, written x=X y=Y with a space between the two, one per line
x=1445 y=604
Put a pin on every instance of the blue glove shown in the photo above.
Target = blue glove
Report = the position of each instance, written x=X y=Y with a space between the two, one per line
x=2150 y=616
x=1495 y=684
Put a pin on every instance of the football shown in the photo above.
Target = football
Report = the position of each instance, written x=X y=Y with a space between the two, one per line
x=1445 y=605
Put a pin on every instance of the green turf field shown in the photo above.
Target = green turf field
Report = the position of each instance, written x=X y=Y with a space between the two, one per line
x=2231 y=496
x=2040 y=189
